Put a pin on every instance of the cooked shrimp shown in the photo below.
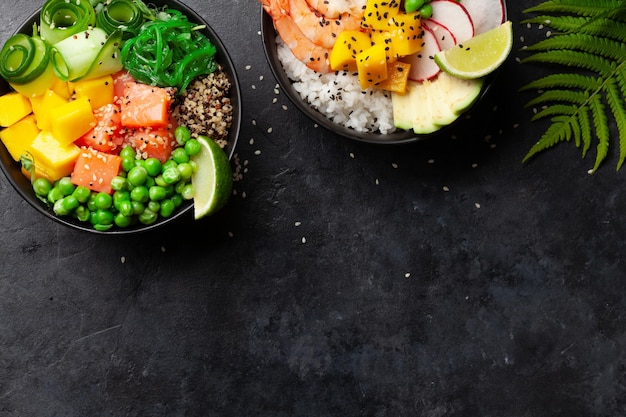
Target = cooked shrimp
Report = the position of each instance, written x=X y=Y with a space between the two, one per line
x=304 y=49
x=335 y=8
x=317 y=27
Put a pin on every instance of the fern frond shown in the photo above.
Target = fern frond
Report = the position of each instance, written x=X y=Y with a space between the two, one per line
x=586 y=98
x=600 y=122
x=615 y=100
x=574 y=81
x=581 y=42
x=555 y=110
x=577 y=7
x=579 y=98
x=583 y=60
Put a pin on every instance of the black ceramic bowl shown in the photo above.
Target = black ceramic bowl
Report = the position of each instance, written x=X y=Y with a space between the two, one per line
x=269 y=35
x=22 y=185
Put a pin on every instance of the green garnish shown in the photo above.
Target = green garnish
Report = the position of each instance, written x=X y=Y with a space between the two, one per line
x=588 y=39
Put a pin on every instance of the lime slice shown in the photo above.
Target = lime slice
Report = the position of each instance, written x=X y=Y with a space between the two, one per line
x=213 y=181
x=478 y=56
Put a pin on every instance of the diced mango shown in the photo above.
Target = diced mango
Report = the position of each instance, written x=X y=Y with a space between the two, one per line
x=18 y=137
x=99 y=90
x=349 y=43
x=397 y=77
x=61 y=88
x=13 y=107
x=43 y=105
x=406 y=33
x=377 y=13
x=372 y=66
x=383 y=37
x=53 y=158
x=71 y=120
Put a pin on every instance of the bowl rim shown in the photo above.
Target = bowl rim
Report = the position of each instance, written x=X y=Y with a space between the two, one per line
x=398 y=137
x=12 y=169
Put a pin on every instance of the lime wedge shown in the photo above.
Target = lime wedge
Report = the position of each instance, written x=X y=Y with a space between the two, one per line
x=478 y=56
x=213 y=181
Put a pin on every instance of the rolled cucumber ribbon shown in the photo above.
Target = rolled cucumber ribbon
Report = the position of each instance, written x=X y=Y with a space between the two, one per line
x=26 y=64
x=60 y=19
x=123 y=15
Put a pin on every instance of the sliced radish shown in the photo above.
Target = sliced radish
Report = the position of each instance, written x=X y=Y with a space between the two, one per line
x=445 y=38
x=423 y=65
x=454 y=17
x=486 y=14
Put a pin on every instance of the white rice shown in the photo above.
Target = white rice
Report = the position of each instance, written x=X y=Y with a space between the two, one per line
x=339 y=96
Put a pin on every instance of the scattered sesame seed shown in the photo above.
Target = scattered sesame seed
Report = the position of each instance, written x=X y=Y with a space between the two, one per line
x=394 y=165
x=230 y=234
x=477 y=205
x=431 y=161
x=260 y=78
x=253 y=87
x=351 y=155
x=251 y=141
x=123 y=259
x=270 y=129
x=257 y=152
x=163 y=249
x=297 y=224
x=407 y=275
x=303 y=239
x=377 y=182
x=285 y=107
x=445 y=188
x=248 y=67
x=474 y=165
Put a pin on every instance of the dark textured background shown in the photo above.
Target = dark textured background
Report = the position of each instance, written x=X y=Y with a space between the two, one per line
x=437 y=279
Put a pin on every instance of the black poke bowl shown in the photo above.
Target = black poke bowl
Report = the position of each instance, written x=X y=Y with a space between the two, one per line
x=23 y=186
x=270 y=39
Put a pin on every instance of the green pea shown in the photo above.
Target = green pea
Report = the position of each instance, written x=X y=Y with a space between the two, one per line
x=137 y=175
x=55 y=195
x=66 y=186
x=82 y=213
x=177 y=200
x=91 y=203
x=103 y=201
x=128 y=163
x=154 y=206
x=125 y=208
x=119 y=183
x=153 y=166
x=158 y=180
x=412 y=5
x=102 y=227
x=82 y=193
x=157 y=193
x=194 y=166
x=186 y=171
x=426 y=11
x=140 y=193
x=148 y=217
x=70 y=203
x=128 y=151
x=42 y=187
x=120 y=196
x=122 y=220
x=168 y=164
x=193 y=147
x=59 y=208
x=167 y=208
x=149 y=182
x=187 y=192
x=171 y=175
x=138 y=207
x=182 y=135
x=104 y=217
x=180 y=155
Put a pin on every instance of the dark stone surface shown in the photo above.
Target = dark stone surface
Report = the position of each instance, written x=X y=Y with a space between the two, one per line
x=437 y=279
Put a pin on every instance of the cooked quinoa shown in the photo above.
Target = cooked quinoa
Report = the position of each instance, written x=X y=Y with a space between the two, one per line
x=205 y=107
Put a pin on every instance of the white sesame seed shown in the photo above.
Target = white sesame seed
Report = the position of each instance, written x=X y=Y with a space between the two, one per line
x=253 y=122
x=445 y=188
x=270 y=129
x=408 y=274
x=253 y=87
x=351 y=155
x=477 y=205
x=248 y=67
x=274 y=100
x=123 y=259
x=297 y=224
x=251 y=141
x=474 y=165
x=431 y=161
x=304 y=240
x=260 y=78
x=394 y=165
x=257 y=152
x=377 y=182
x=163 y=249
x=284 y=107
x=230 y=234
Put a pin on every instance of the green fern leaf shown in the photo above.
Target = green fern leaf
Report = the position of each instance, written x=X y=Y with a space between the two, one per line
x=585 y=94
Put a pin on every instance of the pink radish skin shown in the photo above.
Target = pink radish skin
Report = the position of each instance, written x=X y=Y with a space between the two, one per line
x=445 y=38
x=423 y=65
x=454 y=17
x=486 y=14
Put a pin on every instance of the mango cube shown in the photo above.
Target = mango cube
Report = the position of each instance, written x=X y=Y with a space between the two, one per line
x=62 y=88
x=13 y=107
x=18 y=137
x=377 y=14
x=72 y=120
x=372 y=66
x=43 y=105
x=53 y=158
x=349 y=43
x=397 y=77
x=406 y=33
x=99 y=91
